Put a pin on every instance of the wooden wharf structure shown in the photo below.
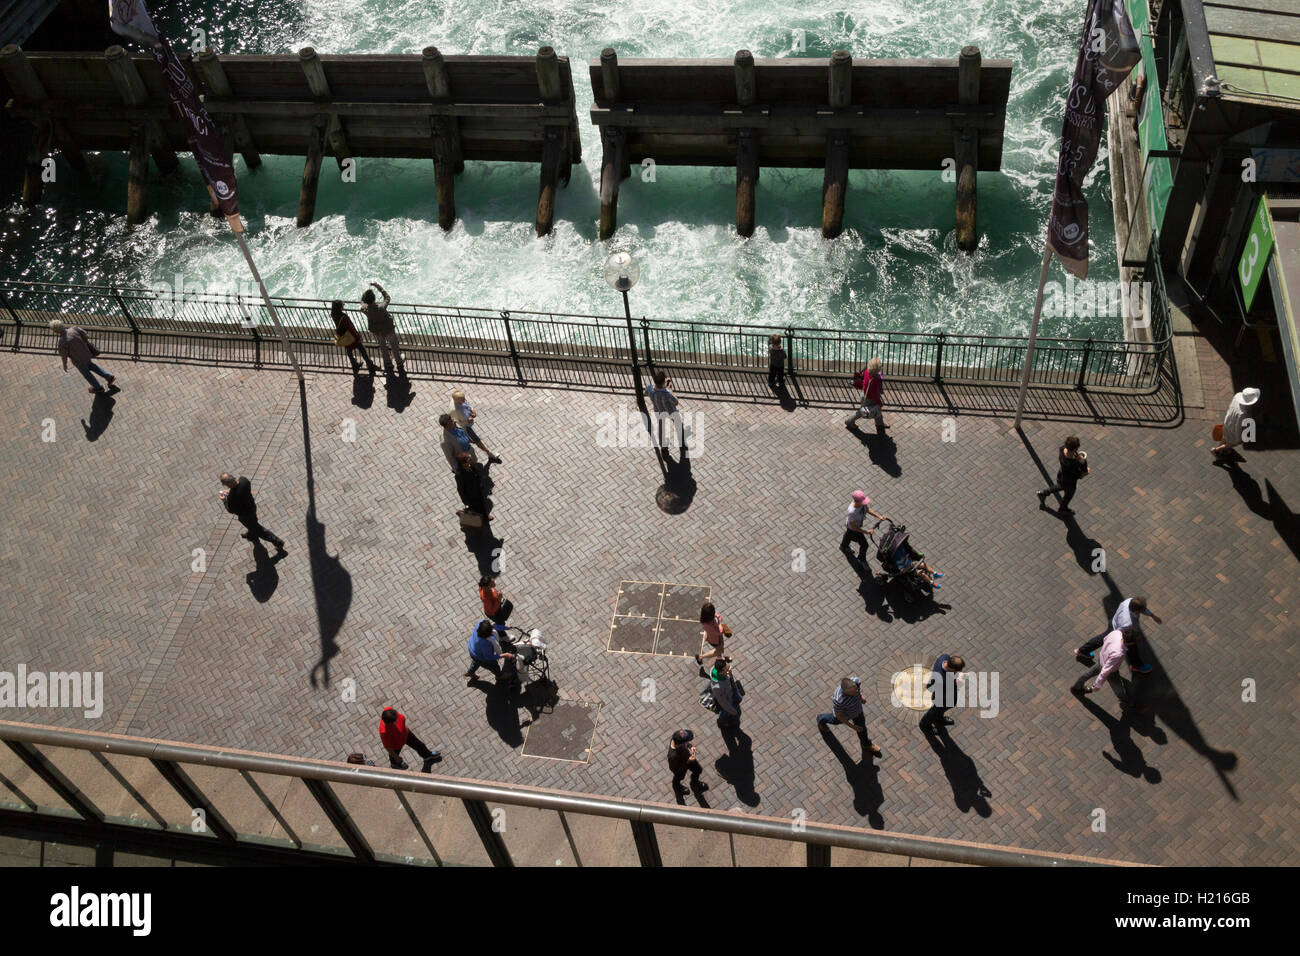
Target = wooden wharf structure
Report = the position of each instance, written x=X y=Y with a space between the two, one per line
x=837 y=114
x=451 y=109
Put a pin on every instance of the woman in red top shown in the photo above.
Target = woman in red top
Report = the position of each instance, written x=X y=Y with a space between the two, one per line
x=344 y=328
x=495 y=606
x=714 y=632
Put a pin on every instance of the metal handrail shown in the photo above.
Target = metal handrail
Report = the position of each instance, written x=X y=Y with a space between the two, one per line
x=636 y=813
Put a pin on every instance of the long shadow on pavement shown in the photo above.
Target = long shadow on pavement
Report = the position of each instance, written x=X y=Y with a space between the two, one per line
x=331 y=583
x=882 y=450
x=736 y=766
x=263 y=579
x=1128 y=757
x=101 y=413
x=863 y=777
x=1273 y=509
x=968 y=790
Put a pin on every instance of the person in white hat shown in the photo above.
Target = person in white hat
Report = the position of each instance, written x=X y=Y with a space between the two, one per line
x=1240 y=411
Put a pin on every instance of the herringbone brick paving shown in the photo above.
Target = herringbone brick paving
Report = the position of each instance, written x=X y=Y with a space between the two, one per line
x=97 y=551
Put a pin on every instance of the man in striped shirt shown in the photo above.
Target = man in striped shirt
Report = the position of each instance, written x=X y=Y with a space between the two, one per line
x=846 y=708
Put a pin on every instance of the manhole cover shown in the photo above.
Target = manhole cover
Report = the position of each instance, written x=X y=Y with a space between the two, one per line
x=907 y=687
x=682 y=602
x=635 y=635
x=653 y=617
x=639 y=599
x=679 y=638
x=563 y=733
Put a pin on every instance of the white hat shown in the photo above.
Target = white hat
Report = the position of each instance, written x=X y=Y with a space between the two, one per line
x=1249 y=396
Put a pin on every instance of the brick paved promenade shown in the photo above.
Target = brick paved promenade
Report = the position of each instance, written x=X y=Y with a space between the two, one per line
x=100 y=528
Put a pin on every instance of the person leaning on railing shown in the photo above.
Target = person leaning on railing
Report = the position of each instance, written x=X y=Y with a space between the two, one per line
x=381 y=327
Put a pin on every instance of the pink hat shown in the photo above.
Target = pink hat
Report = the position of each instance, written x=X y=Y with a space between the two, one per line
x=860 y=497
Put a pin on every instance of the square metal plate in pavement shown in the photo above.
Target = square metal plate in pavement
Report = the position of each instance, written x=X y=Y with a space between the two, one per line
x=679 y=637
x=683 y=601
x=635 y=635
x=639 y=599
x=564 y=733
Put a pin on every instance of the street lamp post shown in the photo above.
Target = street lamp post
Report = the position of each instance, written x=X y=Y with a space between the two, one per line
x=622 y=272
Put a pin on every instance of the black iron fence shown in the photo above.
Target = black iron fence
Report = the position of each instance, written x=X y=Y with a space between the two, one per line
x=560 y=348
x=234 y=806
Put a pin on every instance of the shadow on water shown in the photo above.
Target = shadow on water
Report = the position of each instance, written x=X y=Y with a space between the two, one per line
x=330 y=582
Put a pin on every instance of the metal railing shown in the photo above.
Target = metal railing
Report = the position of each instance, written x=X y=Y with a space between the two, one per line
x=558 y=348
x=197 y=800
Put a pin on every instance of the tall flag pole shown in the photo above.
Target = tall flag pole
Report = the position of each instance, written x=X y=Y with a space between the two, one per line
x=1108 y=51
x=131 y=19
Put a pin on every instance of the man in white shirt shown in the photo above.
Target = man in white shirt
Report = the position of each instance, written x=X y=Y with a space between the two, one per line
x=1129 y=614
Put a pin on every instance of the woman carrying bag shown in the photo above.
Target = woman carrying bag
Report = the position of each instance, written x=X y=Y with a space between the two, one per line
x=347 y=337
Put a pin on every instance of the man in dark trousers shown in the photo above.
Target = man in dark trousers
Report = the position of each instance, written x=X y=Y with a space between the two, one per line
x=846 y=708
x=943 y=685
x=472 y=485
x=395 y=735
x=238 y=497
x=681 y=758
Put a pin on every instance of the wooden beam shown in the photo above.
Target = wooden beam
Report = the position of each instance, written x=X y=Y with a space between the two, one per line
x=609 y=75
x=132 y=90
x=612 y=161
x=320 y=89
x=137 y=174
x=835 y=180
x=444 y=169
x=798 y=121
x=966 y=151
x=311 y=175
x=218 y=86
x=554 y=155
x=438 y=81
x=746 y=146
x=613 y=94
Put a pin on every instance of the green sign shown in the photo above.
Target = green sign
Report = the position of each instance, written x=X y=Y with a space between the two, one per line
x=1157 y=180
x=1254 y=257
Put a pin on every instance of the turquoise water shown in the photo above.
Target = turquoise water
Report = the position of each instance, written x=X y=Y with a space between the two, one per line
x=895 y=267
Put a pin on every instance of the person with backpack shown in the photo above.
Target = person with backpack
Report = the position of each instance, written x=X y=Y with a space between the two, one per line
x=871 y=403
x=73 y=343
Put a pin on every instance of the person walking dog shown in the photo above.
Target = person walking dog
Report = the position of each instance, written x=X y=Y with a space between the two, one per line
x=238 y=498
x=72 y=342
x=395 y=735
x=381 y=327
x=1073 y=465
x=871 y=403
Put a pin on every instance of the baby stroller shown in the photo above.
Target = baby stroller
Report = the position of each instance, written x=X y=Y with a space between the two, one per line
x=530 y=663
x=899 y=562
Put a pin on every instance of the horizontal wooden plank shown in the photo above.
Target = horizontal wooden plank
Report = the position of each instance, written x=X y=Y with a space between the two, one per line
x=1291 y=7
x=538 y=112
x=874 y=82
x=1253 y=24
x=786 y=120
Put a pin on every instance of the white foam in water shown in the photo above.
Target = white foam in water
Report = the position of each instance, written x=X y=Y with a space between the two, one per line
x=895 y=267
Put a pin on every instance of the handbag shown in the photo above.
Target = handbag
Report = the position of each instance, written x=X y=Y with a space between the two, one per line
x=708 y=702
x=1218 y=432
x=469 y=519
x=345 y=340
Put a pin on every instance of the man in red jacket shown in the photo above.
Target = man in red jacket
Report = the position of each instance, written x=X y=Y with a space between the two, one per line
x=395 y=735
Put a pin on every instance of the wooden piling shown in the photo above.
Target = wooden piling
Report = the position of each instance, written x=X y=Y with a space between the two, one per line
x=552 y=90
x=966 y=150
x=746 y=146
x=29 y=91
x=320 y=89
x=444 y=169
x=612 y=95
x=611 y=164
x=835 y=181
x=137 y=174
x=555 y=147
x=218 y=85
x=132 y=90
x=311 y=174
x=438 y=81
